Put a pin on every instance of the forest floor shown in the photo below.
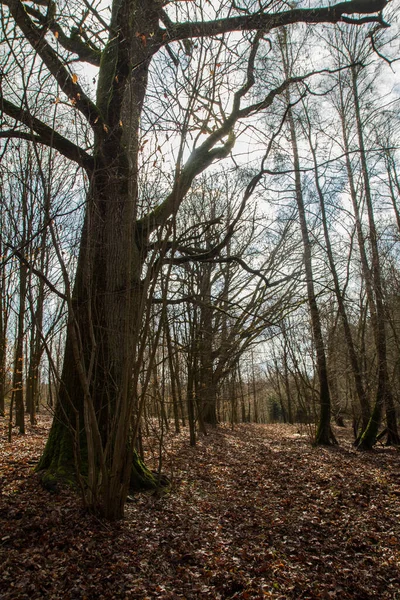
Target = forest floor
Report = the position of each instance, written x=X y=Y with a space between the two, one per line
x=254 y=512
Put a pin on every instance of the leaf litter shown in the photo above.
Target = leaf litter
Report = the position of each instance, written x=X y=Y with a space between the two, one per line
x=253 y=512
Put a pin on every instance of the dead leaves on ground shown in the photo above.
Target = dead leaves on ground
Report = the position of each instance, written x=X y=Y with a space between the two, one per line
x=254 y=513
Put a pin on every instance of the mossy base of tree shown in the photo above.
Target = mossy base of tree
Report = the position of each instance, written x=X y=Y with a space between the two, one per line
x=143 y=479
x=58 y=464
x=367 y=442
x=368 y=438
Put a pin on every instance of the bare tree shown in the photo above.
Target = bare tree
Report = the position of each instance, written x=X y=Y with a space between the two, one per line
x=354 y=360
x=324 y=433
x=355 y=50
x=108 y=298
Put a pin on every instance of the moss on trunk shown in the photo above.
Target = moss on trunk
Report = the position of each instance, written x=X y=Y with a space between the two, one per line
x=59 y=465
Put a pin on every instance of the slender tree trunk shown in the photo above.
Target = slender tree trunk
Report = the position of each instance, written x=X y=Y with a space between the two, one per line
x=3 y=345
x=324 y=433
x=355 y=366
x=36 y=351
x=384 y=397
x=394 y=185
x=288 y=414
x=207 y=385
x=177 y=372
x=254 y=389
x=172 y=374
x=37 y=312
x=18 y=378
x=242 y=395
x=275 y=381
x=190 y=406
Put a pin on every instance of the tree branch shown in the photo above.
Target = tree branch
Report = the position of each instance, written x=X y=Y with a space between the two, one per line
x=45 y=135
x=266 y=21
x=86 y=52
x=37 y=40
x=75 y=44
x=199 y=160
x=36 y=272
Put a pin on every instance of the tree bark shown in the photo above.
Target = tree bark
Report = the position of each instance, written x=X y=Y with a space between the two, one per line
x=108 y=296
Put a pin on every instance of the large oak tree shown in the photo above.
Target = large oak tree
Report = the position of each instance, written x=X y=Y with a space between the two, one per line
x=108 y=298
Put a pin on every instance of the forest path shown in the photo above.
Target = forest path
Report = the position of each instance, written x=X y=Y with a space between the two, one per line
x=254 y=512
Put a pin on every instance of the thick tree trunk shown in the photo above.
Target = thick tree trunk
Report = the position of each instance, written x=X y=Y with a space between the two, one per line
x=66 y=450
x=207 y=385
x=106 y=306
x=104 y=326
